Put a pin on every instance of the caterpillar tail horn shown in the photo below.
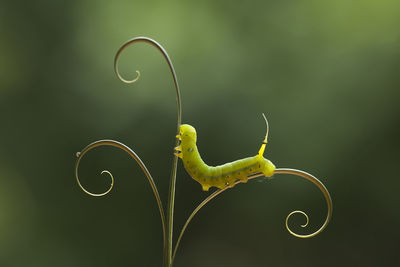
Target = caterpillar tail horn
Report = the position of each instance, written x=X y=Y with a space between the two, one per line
x=264 y=143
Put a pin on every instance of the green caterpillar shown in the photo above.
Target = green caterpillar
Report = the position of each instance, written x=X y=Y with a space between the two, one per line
x=223 y=175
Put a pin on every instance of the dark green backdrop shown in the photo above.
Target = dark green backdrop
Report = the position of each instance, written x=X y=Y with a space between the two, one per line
x=326 y=73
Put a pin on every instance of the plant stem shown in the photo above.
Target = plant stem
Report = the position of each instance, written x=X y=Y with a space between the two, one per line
x=171 y=198
x=170 y=213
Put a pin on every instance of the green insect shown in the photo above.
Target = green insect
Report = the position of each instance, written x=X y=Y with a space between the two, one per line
x=223 y=175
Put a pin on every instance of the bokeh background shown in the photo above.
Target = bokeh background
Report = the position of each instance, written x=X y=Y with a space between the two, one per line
x=326 y=73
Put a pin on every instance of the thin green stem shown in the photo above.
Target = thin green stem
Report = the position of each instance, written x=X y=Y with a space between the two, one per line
x=170 y=213
x=303 y=174
x=168 y=243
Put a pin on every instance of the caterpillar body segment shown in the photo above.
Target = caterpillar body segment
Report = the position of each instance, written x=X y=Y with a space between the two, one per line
x=219 y=176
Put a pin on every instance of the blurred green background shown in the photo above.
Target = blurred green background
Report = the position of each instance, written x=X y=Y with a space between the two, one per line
x=326 y=73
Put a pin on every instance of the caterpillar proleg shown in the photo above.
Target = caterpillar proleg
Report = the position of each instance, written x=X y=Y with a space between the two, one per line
x=223 y=175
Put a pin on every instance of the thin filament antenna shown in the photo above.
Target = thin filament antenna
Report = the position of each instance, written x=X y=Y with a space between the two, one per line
x=170 y=65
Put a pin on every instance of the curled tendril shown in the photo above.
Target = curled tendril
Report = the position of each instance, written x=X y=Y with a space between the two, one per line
x=79 y=155
x=138 y=160
x=300 y=173
x=323 y=189
x=124 y=80
x=171 y=196
x=295 y=212
x=164 y=53
x=98 y=194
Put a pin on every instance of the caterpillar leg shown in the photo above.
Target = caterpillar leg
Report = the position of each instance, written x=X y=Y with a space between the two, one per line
x=178 y=151
x=205 y=187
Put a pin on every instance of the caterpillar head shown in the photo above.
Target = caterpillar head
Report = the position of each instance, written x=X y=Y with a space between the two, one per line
x=267 y=167
x=188 y=132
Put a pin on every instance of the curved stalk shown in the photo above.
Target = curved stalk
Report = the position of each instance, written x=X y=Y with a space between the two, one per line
x=170 y=65
x=300 y=173
x=321 y=187
x=171 y=195
x=139 y=162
